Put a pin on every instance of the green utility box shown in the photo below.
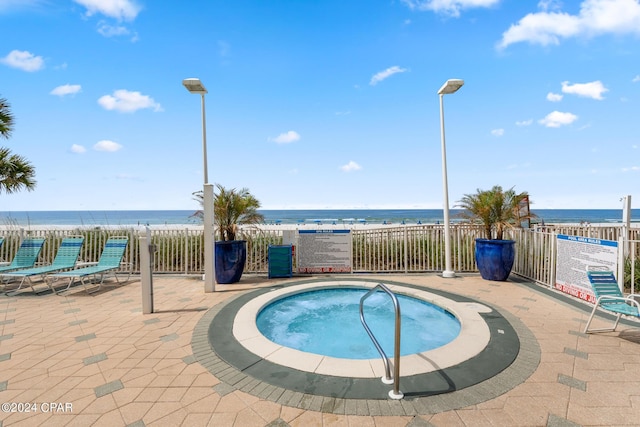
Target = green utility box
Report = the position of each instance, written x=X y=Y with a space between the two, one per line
x=280 y=261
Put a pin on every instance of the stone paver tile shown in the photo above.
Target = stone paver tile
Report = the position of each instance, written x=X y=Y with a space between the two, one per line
x=101 y=405
x=183 y=380
x=108 y=388
x=201 y=419
x=92 y=381
x=230 y=403
x=111 y=418
x=223 y=419
x=572 y=382
x=205 y=379
x=161 y=410
x=288 y=413
x=606 y=394
x=172 y=394
x=173 y=419
x=248 y=417
x=269 y=411
x=472 y=417
x=140 y=379
x=556 y=421
x=94 y=359
x=526 y=411
x=126 y=395
x=601 y=415
x=498 y=417
x=312 y=419
x=149 y=394
x=387 y=421
x=199 y=398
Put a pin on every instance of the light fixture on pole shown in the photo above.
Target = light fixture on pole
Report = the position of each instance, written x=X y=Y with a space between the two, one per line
x=450 y=86
x=196 y=86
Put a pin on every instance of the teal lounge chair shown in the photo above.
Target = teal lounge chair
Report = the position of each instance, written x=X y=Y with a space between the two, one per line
x=110 y=261
x=65 y=259
x=609 y=297
x=26 y=256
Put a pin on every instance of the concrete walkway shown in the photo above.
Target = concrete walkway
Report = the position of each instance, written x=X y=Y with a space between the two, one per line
x=95 y=359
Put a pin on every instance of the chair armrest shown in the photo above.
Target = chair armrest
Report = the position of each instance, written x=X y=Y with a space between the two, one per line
x=620 y=299
x=86 y=264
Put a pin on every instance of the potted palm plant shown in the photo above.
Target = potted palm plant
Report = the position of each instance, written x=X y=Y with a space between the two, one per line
x=231 y=208
x=497 y=210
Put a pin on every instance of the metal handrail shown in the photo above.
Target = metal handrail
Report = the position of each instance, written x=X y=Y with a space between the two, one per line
x=395 y=393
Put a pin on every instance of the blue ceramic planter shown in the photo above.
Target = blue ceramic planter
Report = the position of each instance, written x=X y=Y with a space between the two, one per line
x=494 y=258
x=230 y=258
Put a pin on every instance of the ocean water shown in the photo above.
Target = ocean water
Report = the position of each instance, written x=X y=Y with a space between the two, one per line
x=341 y=216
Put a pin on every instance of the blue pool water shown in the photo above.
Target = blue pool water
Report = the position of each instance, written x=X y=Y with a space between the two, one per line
x=327 y=322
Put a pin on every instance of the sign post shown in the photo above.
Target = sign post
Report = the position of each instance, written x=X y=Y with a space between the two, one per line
x=574 y=255
x=324 y=251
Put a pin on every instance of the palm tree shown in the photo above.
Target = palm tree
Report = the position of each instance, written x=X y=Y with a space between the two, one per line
x=495 y=209
x=16 y=173
x=232 y=208
x=6 y=119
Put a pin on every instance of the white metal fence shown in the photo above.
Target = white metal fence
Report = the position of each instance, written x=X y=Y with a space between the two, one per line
x=402 y=249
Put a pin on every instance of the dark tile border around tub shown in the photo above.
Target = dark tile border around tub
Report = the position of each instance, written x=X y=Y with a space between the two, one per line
x=511 y=356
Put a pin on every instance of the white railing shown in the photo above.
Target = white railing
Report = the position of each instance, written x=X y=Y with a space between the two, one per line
x=632 y=267
x=401 y=249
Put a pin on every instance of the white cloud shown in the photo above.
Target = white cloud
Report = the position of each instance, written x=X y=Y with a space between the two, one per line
x=557 y=119
x=286 y=138
x=524 y=122
x=23 y=60
x=631 y=169
x=596 y=17
x=448 y=7
x=554 y=97
x=497 y=132
x=108 y=30
x=350 y=167
x=66 y=90
x=106 y=145
x=378 y=77
x=636 y=79
x=126 y=101
x=224 y=48
x=123 y=10
x=588 y=90
x=550 y=4
x=75 y=148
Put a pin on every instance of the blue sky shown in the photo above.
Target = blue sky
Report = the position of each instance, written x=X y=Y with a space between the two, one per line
x=322 y=104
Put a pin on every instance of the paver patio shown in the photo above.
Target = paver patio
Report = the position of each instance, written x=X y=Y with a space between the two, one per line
x=82 y=359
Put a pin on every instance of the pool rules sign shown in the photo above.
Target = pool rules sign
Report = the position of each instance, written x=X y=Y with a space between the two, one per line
x=575 y=254
x=324 y=251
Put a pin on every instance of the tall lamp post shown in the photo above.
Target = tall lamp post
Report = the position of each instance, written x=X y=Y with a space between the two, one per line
x=196 y=86
x=450 y=86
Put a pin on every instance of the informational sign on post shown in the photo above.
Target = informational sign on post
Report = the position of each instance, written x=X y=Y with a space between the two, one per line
x=324 y=251
x=575 y=254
